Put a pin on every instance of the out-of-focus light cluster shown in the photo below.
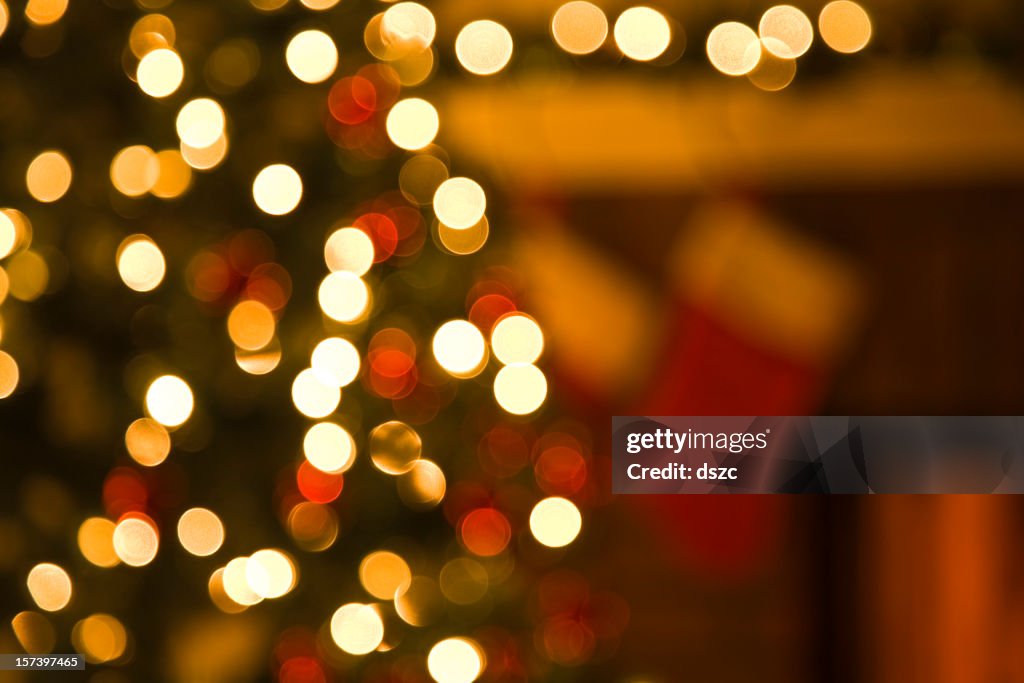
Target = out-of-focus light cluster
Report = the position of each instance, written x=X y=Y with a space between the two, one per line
x=48 y=176
x=267 y=574
x=312 y=56
x=140 y=263
x=455 y=660
x=200 y=532
x=483 y=47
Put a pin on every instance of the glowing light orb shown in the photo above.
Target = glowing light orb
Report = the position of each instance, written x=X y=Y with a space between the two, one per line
x=200 y=532
x=517 y=338
x=483 y=47
x=642 y=33
x=277 y=189
x=455 y=660
x=136 y=541
x=555 y=522
x=844 y=26
x=169 y=401
x=140 y=263
x=329 y=448
x=394 y=447
x=200 y=123
x=789 y=29
x=270 y=573
x=413 y=123
x=733 y=48
x=349 y=249
x=357 y=629
x=520 y=388
x=312 y=56
x=336 y=361
x=460 y=203
x=384 y=575
x=160 y=72
x=459 y=348
x=343 y=296
x=48 y=176
x=251 y=325
x=50 y=586
x=579 y=27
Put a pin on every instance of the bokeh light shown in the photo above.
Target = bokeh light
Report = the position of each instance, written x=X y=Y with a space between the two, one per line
x=357 y=628
x=336 y=361
x=772 y=73
x=422 y=602
x=48 y=176
x=100 y=638
x=642 y=33
x=579 y=27
x=28 y=275
x=517 y=338
x=790 y=30
x=277 y=189
x=464 y=581
x=313 y=397
x=205 y=158
x=329 y=447
x=169 y=401
x=200 y=123
x=420 y=177
x=34 y=632
x=312 y=56
x=413 y=123
x=251 y=325
x=733 y=48
x=459 y=348
x=423 y=486
x=134 y=170
x=349 y=249
x=455 y=660
x=483 y=47
x=147 y=442
x=160 y=72
x=464 y=242
x=845 y=26
x=460 y=203
x=394 y=447
x=384 y=574
x=270 y=573
x=343 y=296
x=96 y=542
x=485 y=532
x=140 y=263
x=200 y=532
x=50 y=586
x=45 y=12
x=136 y=540
x=555 y=522
x=520 y=388
x=409 y=23
x=9 y=375
x=235 y=582
x=174 y=176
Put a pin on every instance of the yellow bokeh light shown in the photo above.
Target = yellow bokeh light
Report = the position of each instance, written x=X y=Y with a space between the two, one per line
x=5 y=17
x=336 y=361
x=789 y=29
x=413 y=123
x=28 y=275
x=384 y=575
x=312 y=397
x=270 y=573
x=343 y=296
x=312 y=56
x=174 y=175
x=48 y=176
x=357 y=629
x=205 y=158
x=455 y=660
x=423 y=486
x=277 y=189
x=140 y=263
x=5 y=286
x=151 y=32
x=313 y=526
x=483 y=47
x=555 y=522
x=409 y=23
x=236 y=583
x=160 y=72
x=319 y=5
x=219 y=595
x=134 y=170
x=349 y=249
x=420 y=177
x=460 y=349
x=464 y=581
x=45 y=12
x=579 y=27
x=460 y=203
x=34 y=632
x=733 y=48
x=642 y=33
x=100 y=638
x=394 y=447
x=8 y=235
x=136 y=541
x=169 y=401
x=8 y=375
x=49 y=586
x=147 y=441
x=517 y=338
x=772 y=73
x=251 y=325
x=844 y=26
x=421 y=604
x=259 y=362
x=463 y=242
x=520 y=388
x=329 y=447
x=96 y=542
x=200 y=532
x=200 y=123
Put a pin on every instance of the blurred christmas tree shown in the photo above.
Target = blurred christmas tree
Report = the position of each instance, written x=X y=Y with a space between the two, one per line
x=266 y=406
